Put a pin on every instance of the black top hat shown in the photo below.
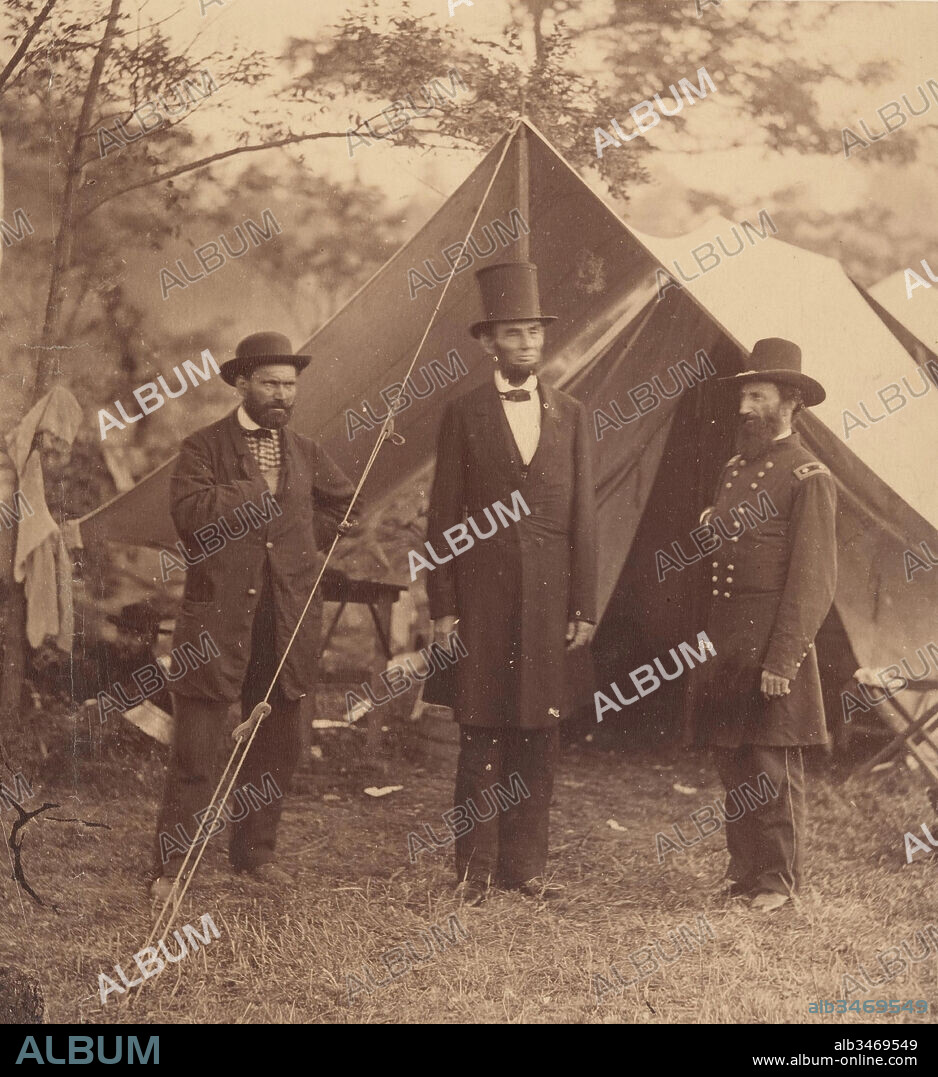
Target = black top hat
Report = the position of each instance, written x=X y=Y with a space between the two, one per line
x=262 y=349
x=779 y=361
x=509 y=294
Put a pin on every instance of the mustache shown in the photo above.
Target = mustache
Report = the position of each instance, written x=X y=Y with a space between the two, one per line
x=755 y=426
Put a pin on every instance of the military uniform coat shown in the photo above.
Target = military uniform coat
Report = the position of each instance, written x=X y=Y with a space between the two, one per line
x=216 y=474
x=771 y=584
x=514 y=592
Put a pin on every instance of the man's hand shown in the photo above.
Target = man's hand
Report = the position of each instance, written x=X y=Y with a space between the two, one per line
x=579 y=633
x=773 y=685
x=444 y=627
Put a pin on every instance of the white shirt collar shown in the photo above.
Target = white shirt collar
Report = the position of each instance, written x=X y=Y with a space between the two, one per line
x=503 y=385
x=780 y=437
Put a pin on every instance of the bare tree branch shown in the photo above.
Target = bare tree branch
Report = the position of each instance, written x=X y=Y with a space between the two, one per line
x=24 y=44
x=211 y=159
x=16 y=846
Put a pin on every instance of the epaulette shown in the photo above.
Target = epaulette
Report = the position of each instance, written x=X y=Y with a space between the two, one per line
x=814 y=468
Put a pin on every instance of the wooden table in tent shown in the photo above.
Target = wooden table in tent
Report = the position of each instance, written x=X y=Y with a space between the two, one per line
x=379 y=597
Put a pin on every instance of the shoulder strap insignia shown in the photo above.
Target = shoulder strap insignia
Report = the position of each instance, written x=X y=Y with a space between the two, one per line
x=732 y=460
x=814 y=468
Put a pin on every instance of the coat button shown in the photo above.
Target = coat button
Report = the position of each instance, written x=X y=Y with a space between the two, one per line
x=728 y=485
x=578 y=614
x=730 y=567
x=729 y=579
x=716 y=592
x=770 y=463
x=742 y=463
x=735 y=473
x=713 y=579
x=252 y=590
x=760 y=474
x=270 y=545
x=726 y=594
x=734 y=538
x=753 y=486
x=715 y=564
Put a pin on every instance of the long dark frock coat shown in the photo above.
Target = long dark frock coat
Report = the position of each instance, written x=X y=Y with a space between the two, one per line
x=515 y=592
x=771 y=583
x=216 y=474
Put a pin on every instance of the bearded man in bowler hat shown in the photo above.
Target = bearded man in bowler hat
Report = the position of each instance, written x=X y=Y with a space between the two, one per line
x=254 y=503
x=772 y=581
x=522 y=595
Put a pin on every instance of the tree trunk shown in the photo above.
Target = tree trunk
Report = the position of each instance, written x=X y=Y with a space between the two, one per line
x=538 y=7
x=62 y=247
x=13 y=644
x=13 y=614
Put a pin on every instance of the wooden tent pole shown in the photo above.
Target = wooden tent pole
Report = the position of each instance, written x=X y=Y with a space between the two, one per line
x=523 y=201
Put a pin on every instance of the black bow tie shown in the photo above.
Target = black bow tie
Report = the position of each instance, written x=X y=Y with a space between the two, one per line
x=260 y=432
x=516 y=395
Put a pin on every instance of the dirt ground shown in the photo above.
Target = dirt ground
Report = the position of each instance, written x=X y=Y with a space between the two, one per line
x=368 y=936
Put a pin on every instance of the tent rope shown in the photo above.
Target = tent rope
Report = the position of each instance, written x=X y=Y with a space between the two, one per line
x=263 y=708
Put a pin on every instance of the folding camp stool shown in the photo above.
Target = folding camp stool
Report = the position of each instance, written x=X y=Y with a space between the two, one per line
x=907 y=730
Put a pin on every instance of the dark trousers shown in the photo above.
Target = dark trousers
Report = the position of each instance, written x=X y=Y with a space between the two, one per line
x=201 y=747
x=504 y=782
x=765 y=840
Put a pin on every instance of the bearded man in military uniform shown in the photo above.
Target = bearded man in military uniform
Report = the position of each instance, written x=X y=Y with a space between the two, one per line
x=772 y=584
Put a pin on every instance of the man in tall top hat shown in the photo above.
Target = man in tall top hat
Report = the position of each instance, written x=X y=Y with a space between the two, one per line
x=771 y=584
x=522 y=594
x=254 y=503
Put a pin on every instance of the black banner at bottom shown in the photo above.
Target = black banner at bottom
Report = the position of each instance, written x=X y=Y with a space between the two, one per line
x=746 y=1048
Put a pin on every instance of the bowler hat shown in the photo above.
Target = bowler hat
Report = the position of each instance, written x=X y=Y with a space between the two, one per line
x=779 y=361
x=137 y=617
x=262 y=349
x=509 y=294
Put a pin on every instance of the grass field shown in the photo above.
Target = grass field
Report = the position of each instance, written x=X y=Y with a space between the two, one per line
x=302 y=955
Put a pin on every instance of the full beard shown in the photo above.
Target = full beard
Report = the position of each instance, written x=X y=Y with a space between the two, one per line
x=518 y=375
x=515 y=378
x=754 y=435
x=271 y=417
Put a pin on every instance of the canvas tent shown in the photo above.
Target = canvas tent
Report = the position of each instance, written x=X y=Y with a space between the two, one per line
x=614 y=333
x=913 y=319
x=917 y=312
